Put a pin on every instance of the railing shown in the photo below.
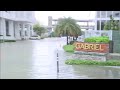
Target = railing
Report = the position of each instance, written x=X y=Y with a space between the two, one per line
x=90 y=33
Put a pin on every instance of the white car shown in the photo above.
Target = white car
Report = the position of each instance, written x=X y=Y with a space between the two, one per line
x=35 y=37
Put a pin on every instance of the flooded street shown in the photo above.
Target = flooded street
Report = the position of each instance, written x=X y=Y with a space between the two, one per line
x=36 y=59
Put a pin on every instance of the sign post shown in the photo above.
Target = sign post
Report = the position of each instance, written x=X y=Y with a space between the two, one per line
x=57 y=64
x=92 y=47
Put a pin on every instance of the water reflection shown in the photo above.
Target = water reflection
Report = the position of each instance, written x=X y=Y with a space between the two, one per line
x=97 y=72
x=15 y=60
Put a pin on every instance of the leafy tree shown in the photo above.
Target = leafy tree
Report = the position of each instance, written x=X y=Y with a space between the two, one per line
x=67 y=27
x=53 y=34
x=112 y=24
x=39 y=29
x=107 y=26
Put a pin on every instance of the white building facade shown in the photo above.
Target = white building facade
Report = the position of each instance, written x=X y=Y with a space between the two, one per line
x=16 y=25
x=104 y=16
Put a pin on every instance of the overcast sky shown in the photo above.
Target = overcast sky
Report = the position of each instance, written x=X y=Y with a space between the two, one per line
x=42 y=16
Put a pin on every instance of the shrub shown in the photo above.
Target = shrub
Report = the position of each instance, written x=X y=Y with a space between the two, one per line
x=7 y=41
x=42 y=37
x=68 y=48
x=90 y=62
x=102 y=39
x=1 y=41
x=10 y=40
x=53 y=34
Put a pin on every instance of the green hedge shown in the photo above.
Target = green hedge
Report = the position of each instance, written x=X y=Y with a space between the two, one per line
x=8 y=41
x=68 y=48
x=1 y=41
x=53 y=34
x=102 y=39
x=90 y=62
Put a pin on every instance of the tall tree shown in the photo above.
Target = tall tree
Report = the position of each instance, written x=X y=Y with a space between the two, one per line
x=67 y=27
x=112 y=24
x=39 y=29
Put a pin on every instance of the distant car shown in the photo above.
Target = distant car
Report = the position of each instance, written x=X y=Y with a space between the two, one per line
x=35 y=37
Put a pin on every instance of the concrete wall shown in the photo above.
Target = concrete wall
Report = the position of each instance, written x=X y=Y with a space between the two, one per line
x=27 y=16
x=116 y=41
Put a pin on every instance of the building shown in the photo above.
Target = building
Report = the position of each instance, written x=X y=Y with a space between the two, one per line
x=16 y=25
x=104 y=16
x=84 y=24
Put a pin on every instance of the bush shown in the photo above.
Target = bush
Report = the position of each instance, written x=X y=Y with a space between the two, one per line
x=53 y=34
x=7 y=41
x=102 y=39
x=90 y=62
x=1 y=41
x=10 y=40
x=68 y=48
x=42 y=37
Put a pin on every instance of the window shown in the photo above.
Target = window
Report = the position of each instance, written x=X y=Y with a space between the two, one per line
x=103 y=24
x=103 y=14
x=25 y=26
x=98 y=25
x=98 y=14
x=20 y=25
x=7 y=28
x=0 y=28
x=116 y=13
x=14 y=28
x=20 y=33
x=109 y=13
x=25 y=33
x=30 y=27
x=30 y=33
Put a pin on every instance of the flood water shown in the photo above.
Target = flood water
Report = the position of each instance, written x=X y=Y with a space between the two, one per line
x=36 y=59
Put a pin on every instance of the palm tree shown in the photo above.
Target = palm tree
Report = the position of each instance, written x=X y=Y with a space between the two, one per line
x=68 y=27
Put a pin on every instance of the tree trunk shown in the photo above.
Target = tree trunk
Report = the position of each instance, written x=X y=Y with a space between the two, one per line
x=73 y=38
x=40 y=33
x=67 y=37
x=76 y=37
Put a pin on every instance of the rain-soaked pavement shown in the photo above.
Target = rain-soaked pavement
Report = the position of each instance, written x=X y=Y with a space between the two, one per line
x=36 y=59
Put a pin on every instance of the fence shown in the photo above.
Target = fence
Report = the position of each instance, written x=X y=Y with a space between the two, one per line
x=97 y=33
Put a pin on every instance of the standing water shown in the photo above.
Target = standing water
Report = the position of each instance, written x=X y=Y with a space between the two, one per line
x=36 y=59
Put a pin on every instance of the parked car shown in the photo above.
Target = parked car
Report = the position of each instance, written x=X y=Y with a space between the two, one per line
x=35 y=37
